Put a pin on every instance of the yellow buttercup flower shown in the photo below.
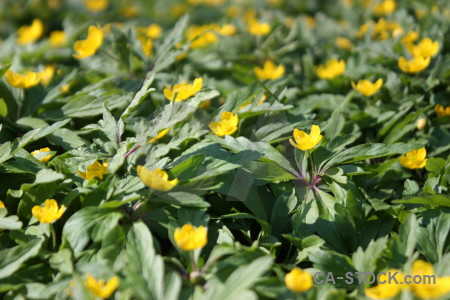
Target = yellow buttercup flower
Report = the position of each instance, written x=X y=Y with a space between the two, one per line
x=89 y=46
x=129 y=11
x=228 y=30
x=344 y=43
x=311 y=21
x=441 y=110
x=366 y=87
x=157 y=179
x=98 y=288
x=2 y=205
x=415 y=159
x=95 y=170
x=160 y=135
x=57 y=38
x=96 y=5
x=425 y=48
x=64 y=88
x=47 y=75
x=29 y=34
x=415 y=65
x=153 y=31
x=298 y=280
x=227 y=125
x=188 y=238
x=201 y=36
x=363 y=29
x=387 y=289
x=331 y=69
x=410 y=37
x=42 y=159
x=258 y=28
x=49 y=213
x=23 y=81
x=183 y=91
x=385 y=8
x=270 y=71
x=421 y=123
x=428 y=290
x=146 y=46
x=305 y=141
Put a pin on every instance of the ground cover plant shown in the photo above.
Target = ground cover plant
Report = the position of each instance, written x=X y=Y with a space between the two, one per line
x=224 y=149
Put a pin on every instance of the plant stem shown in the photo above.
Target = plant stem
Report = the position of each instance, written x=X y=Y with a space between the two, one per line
x=53 y=235
x=193 y=261
x=311 y=161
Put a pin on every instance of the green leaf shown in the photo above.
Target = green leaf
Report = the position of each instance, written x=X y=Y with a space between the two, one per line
x=240 y=281
x=89 y=222
x=432 y=200
x=138 y=98
x=10 y=222
x=168 y=52
x=11 y=259
x=144 y=269
x=3 y=108
x=369 y=151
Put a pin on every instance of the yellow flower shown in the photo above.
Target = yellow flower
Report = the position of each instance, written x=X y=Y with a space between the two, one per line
x=183 y=90
x=189 y=238
x=344 y=43
x=305 y=141
x=383 y=28
x=421 y=123
x=258 y=28
x=47 y=75
x=146 y=46
x=95 y=170
x=415 y=159
x=129 y=11
x=45 y=158
x=96 y=5
x=57 y=38
x=201 y=36
x=30 y=34
x=298 y=280
x=227 y=125
x=311 y=22
x=160 y=135
x=441 y=110
x=425 y=289
x=347 y=3
x=49 y=213
x=89 y=46
x=154 y=31
x=98 y=288
x=385 y=8
x=23 y=81
x=2 y=205
x=426 y=48
x=386 y=289
x=331 y=69
x=275 y=2
x=415 y=65
x=410 y=37
x=228 y=30
x=157 y=179
x=270 y=71
x=366 y=87
x=364 y=29
x=64 y=88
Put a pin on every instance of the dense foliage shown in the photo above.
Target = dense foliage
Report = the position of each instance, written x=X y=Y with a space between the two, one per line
x=223 y=149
